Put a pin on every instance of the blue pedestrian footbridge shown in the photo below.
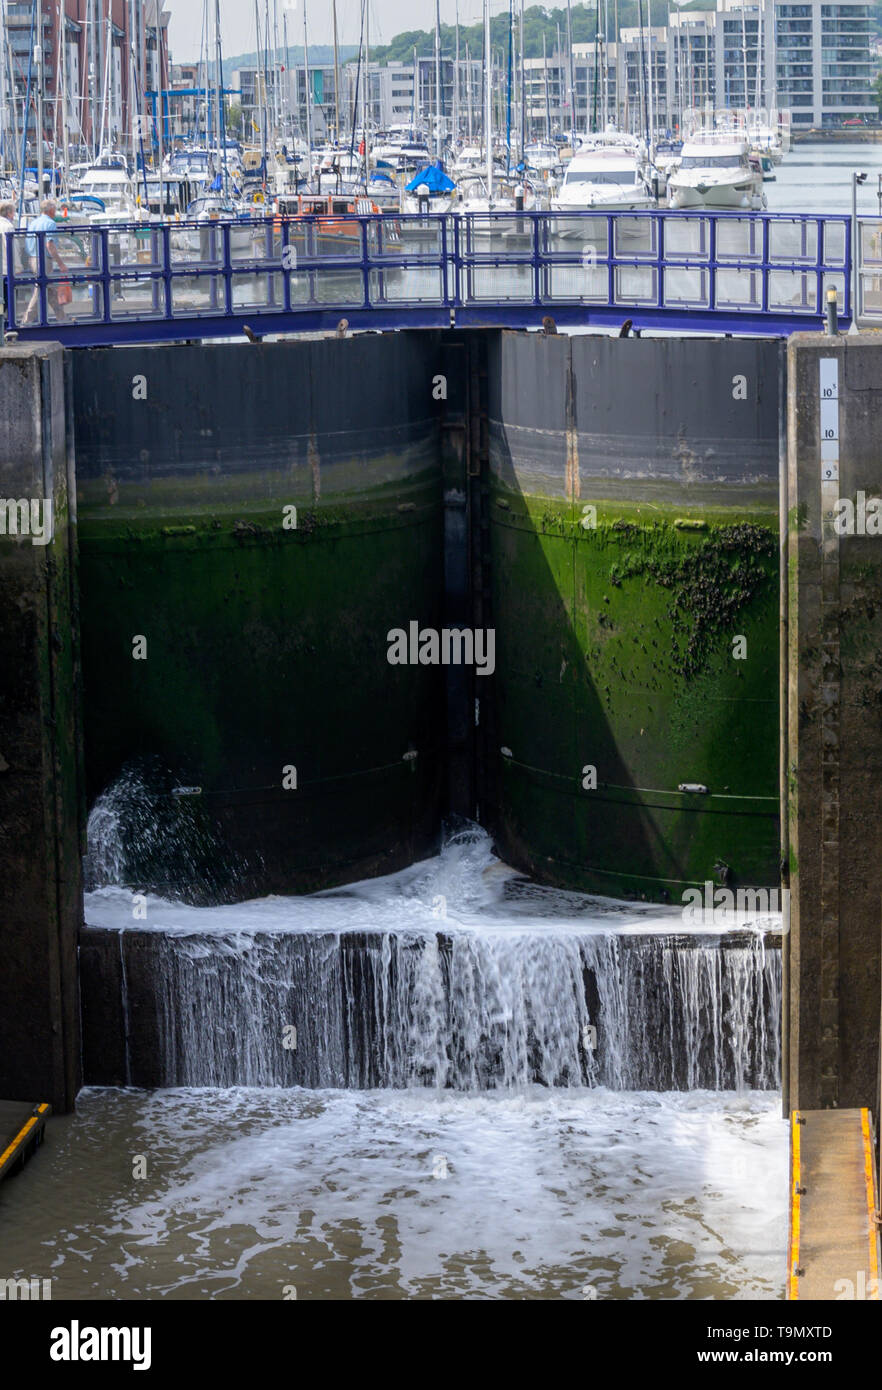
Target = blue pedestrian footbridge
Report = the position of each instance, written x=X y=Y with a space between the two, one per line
x=718 y=272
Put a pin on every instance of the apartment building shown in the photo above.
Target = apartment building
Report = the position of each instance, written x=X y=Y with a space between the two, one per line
x=811 y=59
x=94 y=78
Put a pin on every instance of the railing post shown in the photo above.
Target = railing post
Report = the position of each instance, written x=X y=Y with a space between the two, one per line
x=41 y=272
x=228 y=268
x=445 y=277
x=379 y=223
x=105 y=271
x=820 y=249
x=10 y=282
x=660 y=288
x=310 y=245
x=167 y=271
x=712 y=262
x=852 y=299
x=365 y=262
x=537 y=263
x=286 y=273
x=155 y=284
x=766 y=264
x=610 y=260
x=459 y=230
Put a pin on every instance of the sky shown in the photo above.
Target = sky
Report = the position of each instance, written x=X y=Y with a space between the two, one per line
x=388 y=18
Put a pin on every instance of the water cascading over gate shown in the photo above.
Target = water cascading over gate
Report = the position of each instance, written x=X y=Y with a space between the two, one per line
x=454 y=973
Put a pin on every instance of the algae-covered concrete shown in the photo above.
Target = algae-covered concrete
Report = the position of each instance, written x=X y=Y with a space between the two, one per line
x=40 y=820
x=261 y=517
x=633 y=522
x=834 y=691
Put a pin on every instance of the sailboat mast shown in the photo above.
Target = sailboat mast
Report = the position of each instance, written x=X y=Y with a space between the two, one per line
x=257 y=85
x=107 y=85
x=604 y=76
x=620 y=118
x=760 y=74
x=488 y=99
x=547 y=97
x=277 y=63
x=439 y=104
x=221 y=132
x=337 y=93
x=744 y=57
x=4 y=124
x=308 y=88
x=367 y=91
x=571 y=82
x=283 y=78
x=509 y=85
x=65 y=135
x=455 y=120
x=267 y=62
x=38 y=55
x=523 y=89
x=597 y=52
x=160 y=134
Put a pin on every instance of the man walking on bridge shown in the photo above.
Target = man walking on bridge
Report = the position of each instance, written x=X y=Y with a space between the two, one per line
x=44 y=223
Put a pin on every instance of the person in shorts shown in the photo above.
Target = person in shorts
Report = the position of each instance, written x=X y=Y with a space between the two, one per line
x=44 y=223
x=7 y=225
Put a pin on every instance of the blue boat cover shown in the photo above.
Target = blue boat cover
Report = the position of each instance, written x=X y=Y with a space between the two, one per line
x=434 y=177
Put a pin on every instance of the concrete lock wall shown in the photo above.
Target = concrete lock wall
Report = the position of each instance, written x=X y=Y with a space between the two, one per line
x=40 y=737
x=266 y=642
x=633 y=522
x=834 y=731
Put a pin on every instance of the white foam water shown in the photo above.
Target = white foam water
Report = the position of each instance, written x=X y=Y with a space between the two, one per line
x=545 y=1194
x=455 y=973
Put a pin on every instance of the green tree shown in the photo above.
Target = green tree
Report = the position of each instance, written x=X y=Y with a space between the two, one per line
x=538 y=21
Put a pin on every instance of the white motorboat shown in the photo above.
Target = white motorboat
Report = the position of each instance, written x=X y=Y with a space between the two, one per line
x=115 y=190
x=211 y=210
x=716 y=173
x=543 y=156
x=606 y=178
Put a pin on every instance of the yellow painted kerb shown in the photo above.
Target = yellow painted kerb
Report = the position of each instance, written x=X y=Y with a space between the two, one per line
x=869 y=1174
x=795 y=1184
x=23 y=1133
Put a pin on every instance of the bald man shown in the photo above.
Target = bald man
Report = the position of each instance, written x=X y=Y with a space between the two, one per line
x=44 y=223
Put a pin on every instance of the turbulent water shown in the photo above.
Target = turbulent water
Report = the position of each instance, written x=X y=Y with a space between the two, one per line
x=446 y=1083
x=454 y=973
x=568 y=1194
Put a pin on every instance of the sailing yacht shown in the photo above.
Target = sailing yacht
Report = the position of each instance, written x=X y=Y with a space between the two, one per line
x=716 y=173
x=430 y=190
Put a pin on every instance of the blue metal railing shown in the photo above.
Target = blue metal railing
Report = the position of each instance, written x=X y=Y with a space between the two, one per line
x=764 y=273
x=868 y=278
